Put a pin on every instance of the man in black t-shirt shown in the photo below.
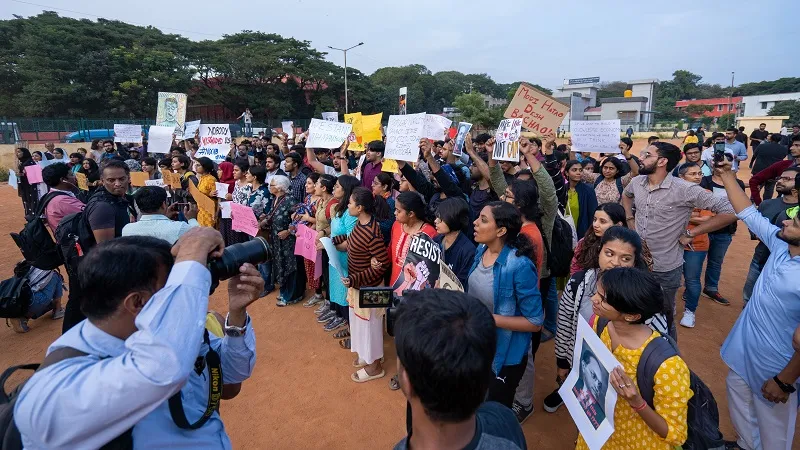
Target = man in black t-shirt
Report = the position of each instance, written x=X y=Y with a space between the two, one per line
x=447 y=338
x=758 y=136
x=765 y=155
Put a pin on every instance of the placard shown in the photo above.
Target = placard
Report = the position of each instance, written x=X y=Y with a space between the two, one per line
x=288 y=128
x=390 y=165
x=506 y=140
x=34 y=174
x=421 y=267
x=595 y=135
x=159 y=139
x=333 y=255
x=305 y=243
x=403 y=101
x=12 y=179
x=403 y=135
x=436 y=127
x=139 y=179
x=447 y=278
x=331 y=116
x=83 y=182
x=463 y=129
x=327 y=134
x=586 y=392
x=215 y=142
x=127 y=133
x=539 y=112
x=171 y=112
x=356 y=137
x=371 y=128
x=203 y=201
x=243 y=219
x=173 y=180
x=222 y=190
x=225 y=210
x=157 y=182
x=191 y=129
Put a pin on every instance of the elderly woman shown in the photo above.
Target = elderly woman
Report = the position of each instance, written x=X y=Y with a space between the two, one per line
x=277 y=221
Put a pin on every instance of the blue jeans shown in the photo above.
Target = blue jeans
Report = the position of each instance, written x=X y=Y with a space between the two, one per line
x=550 y=298
x=266 y=273
x=288 y=290
x=692 y=269
x=717 y=248
x=756 y=266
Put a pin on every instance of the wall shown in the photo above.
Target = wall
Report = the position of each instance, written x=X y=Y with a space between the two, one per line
x=752 y=103
x=8 y=155
x=611 y=111
x=774 y=123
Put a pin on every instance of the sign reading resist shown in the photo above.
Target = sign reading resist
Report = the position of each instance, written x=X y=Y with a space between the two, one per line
x=327 y=134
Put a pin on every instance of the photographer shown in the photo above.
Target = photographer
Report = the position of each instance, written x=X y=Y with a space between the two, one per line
x=112 y=374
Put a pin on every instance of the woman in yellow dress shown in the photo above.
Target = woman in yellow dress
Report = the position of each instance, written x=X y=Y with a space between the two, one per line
x=626 y=297
x=207 y=178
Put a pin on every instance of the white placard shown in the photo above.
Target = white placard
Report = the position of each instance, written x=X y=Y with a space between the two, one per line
x=48 y=162
x=225 y=209
x=157 y=182
x=12 y=179
x=191 y=129
x=127 y=133
x=595 y=135
x=215 y=142
x=331 y=116
x=463 y=129
x=222 y=190
x=327 y=134
x=159 y=139
x=333 y=254
x=403 y=135
x=586 y=392
x=506 y=140
x=436 y=127
x=288 y=128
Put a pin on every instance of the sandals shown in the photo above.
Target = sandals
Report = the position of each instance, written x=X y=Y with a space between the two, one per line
x=362 y=376
x=394 y=383
x=345 y=344
x=359 y=363
x=342 y=334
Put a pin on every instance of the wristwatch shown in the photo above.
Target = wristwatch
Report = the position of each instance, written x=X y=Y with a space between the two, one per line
x=787 y=388
x=688 y=233
x=233 y=331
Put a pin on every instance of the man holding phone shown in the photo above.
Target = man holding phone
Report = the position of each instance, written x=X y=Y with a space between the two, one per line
x=157 y=219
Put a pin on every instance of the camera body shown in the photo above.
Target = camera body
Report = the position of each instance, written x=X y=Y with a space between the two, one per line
x=254 y=252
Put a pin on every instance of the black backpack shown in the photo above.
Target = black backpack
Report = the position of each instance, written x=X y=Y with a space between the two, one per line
x=15 y=298
x=703 y=416
x=74 y=237
x=559 y=256
x=35 y=242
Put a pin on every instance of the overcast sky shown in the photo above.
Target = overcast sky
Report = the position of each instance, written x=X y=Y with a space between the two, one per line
x=512 y=40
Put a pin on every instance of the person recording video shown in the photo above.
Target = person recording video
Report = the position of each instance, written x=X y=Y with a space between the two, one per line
x=141 y=370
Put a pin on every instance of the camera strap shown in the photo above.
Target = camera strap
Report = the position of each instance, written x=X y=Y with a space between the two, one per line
x=214 y=392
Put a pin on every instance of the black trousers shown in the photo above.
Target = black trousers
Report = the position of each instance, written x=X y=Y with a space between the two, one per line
x=72 y=312
x=504 y=386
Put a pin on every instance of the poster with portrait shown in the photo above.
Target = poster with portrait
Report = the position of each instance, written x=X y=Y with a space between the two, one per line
x=403 y=98
x=463 y=129
x=586 y=392
x=421 y=265
x=506 y=140
x=171 y=111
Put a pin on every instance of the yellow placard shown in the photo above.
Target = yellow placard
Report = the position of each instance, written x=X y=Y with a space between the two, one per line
x=371 y=128
x=138 y=178
x=172 y=180
x=83 y=182
x=389 y=165
x=203 y=201
x=357 y=135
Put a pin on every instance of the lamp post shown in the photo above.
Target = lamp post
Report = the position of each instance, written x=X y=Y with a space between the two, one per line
x=344 y=50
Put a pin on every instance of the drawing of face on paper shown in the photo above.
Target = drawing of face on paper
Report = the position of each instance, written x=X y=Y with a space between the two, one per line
x=516 y=130
x=171 y=111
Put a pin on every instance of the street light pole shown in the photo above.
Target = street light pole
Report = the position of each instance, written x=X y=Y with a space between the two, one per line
x=344 y=50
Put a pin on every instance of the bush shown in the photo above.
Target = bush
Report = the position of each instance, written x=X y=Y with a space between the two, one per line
x=3 y=174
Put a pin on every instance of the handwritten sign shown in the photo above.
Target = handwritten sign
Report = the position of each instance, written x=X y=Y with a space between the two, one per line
x=305 y=245
x=222 y=190
x=288 y=128
x=159 y=139
x=244 y=219
x=157 y=182
x=34 y=174
x=128 y=133
x=356 y=137
x=191 y=128
x=12 y=179
x=506 y=140
x=83 y=182
x=539 y=112
x=463 y=129
x=215 y=142
x=139 y=179
x=173 y=180
x=403 y=135
x=331 y=116
x=595 y=135
x=436 y=127
x=203 y=201
x=327 y=134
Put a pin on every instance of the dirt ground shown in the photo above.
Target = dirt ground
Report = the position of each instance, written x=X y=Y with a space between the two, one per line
x=301 y=396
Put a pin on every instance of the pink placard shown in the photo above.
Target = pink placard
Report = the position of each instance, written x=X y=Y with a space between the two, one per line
x=305 y=245
x=243 y=219
x=34 y=174
x=318 y=266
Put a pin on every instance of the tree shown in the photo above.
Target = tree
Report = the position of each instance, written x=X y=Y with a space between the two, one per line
x=511 y=89
x=779 y=86
x=697 y=109
x=726 y=121
x=789 y=108
x=472 y=109
x=610 y=89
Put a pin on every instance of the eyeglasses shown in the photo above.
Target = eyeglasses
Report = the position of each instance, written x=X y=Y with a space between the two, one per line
x=792 y=212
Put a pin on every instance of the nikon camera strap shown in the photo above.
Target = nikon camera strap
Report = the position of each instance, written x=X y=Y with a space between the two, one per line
x=214 y=392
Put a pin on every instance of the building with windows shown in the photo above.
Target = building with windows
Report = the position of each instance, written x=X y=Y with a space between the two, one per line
x=759 y=105
x=721 y=106
x=635 y=109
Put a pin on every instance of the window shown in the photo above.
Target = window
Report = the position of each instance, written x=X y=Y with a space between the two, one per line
x=763 y=105
x=720 y=107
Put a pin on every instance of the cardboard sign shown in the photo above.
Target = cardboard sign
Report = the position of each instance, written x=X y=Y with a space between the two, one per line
x=83 y=182
x=403 y=135
x=12 y=179
x=171 y=112
x=331 y=116
x=506 y=140
x=222 y=190
x=595 y=135
x=421 y=267
x=215 y=142
x=436 y=127
x=34 y=174
x=390 y=165
x=539 y=112
x=157 y=182
x=288 y=128
x=173 y=180
x=202 y=200
x=356 y=137
x=371 y=128
x=139 y=179
x=463 y=129
x=448 y=279
x=305 y=244
x=327 y=134
x=159 y=139
x=191 y=129
x=243 y=219
x=127 y=133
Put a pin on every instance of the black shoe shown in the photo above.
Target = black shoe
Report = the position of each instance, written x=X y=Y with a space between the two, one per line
x=716 y=297
x=553 y=401
x=521 y=412
x=732 y=445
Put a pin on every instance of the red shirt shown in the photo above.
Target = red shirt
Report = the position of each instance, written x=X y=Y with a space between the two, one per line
x=60 y=207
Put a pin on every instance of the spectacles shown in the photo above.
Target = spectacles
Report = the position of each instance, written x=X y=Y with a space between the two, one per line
x=792 y=212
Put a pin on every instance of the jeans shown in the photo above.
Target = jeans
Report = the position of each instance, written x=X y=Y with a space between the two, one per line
x=248 y=129
x=756 y=266
x=550 y=299
x=716 y=254
x=692 y=269
x=288 y=288
x=670 y=282
x=266 y=273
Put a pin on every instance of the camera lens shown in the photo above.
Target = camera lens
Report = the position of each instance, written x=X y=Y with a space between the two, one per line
x=253 y=252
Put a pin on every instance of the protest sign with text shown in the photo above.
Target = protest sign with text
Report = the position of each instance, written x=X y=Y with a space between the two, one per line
x=436 y=127
x=506 y=140
x=243 y=219
x=327 y=134
x=191 y=129
x=331 y=116
x=159 y=139
x=595 y=135
x=371 y=128
x=403 y=135
x=539 y=112
x=421 y=267
x=127 y=133
x=447 y=278
x=215 y=142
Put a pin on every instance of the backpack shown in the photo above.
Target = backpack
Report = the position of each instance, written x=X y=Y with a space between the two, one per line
x=35 y=242
x=562 y=245
x=15 y=298
x=617 y=181
x=702 y=419
x=74 y=237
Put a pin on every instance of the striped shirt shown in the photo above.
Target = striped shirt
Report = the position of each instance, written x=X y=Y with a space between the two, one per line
x=364 y=242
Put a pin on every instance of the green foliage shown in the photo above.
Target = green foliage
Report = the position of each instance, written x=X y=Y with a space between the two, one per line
x=3 y=174
x=789 y=108
x=779 y=86
x=472 y=109
x=610 y=89
x=696 y=109
x=726 y=121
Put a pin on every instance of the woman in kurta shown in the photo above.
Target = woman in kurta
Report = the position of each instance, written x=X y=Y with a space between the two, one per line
x=239 y=194
x=207 y=179
x=29 y=193
x=625 y=299
x=323 y=189
x=277 y=221
x=612 y=179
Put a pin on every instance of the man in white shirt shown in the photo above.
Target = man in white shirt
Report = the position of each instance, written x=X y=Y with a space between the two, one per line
x=157 y=220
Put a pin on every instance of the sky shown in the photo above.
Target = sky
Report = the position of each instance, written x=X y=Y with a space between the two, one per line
x=515 y=40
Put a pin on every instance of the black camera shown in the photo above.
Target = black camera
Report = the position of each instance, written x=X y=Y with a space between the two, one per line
x=254 y=252
x=719 y=151
x=391 y=312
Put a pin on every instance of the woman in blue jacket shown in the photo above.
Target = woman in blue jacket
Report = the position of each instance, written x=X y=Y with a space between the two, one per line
x=503 y=277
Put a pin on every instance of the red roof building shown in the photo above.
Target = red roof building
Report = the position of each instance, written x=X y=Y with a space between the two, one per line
x=720 y=105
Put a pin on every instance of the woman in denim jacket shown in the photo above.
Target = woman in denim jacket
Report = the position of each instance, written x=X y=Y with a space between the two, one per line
x=503 y=277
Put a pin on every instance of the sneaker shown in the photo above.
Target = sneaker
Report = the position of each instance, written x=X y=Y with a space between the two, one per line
x=688 y=319
x=326 y=317
x=553 y=401
x=716 y=297
x=20 y=325
x=323 y=309
x=316 y=298
x=335 y=324
x=280 y=302
x=58 y=314
x=521 y=412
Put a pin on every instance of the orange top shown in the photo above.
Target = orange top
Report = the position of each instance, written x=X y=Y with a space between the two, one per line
x=398 y=247
x=532 y=232
x=699 y=243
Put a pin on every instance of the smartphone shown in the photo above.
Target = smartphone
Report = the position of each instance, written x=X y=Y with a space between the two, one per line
x=375 y=297
x=719 y=151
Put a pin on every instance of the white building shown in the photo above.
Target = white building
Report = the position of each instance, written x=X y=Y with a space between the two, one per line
x=759 y=105
x=636 y=110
